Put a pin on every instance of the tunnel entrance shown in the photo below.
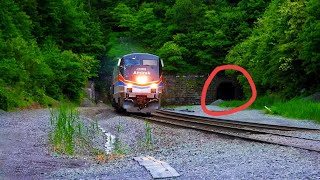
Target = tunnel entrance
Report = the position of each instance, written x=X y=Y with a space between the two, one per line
x=226 y=91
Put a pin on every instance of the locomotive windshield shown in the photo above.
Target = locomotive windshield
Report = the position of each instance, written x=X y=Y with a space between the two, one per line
x=135 y=62
x=135 y=66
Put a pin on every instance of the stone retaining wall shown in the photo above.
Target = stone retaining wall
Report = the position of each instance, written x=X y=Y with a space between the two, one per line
x=184 y=90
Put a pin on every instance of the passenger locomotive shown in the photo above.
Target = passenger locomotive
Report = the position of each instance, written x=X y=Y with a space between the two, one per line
x=137 y=83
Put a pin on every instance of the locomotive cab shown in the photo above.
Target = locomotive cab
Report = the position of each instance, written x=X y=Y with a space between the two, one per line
x=137 y=83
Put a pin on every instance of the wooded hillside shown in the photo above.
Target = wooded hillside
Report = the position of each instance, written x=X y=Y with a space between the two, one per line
x=49 y=48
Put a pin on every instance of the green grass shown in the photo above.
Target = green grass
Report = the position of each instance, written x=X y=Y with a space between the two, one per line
x=296 y=108
x=259 y=103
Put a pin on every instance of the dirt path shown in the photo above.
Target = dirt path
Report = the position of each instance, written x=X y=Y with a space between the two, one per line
x=24 y=146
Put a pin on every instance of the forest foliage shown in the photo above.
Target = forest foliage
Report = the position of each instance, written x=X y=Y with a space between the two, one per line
x=276 y=41
x=49 y=48
x=47 y=51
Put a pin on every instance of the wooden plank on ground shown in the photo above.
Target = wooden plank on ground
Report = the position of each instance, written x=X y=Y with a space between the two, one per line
x=158 y=169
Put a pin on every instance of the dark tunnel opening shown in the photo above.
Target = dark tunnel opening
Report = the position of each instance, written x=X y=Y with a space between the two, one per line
x=226 y=91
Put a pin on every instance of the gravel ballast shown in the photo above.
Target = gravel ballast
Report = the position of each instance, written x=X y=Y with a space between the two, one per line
x=247 y=115
x=197 y=155
x=24 y=152
x=194 y=154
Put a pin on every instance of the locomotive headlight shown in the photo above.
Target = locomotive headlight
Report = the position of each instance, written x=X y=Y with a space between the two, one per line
x=154 y=86
x=142 y=79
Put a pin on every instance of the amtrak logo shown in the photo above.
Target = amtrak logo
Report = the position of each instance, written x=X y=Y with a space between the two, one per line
x=140 y=72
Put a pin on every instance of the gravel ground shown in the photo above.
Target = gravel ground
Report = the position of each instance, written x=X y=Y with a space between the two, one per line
x=196 y=155
x=24 y=147
x=248 y=116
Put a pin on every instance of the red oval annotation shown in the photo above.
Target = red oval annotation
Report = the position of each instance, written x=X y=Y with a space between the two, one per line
x=226 y=112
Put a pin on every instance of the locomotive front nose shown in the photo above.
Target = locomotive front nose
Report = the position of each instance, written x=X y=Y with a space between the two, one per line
x=142 y=79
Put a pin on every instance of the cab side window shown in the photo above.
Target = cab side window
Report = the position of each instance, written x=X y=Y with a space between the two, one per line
x=160 y=67
x=121 y=67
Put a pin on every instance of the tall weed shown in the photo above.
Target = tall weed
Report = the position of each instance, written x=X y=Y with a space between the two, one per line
x=147 y=142
x=120 y=148
x=64 y=122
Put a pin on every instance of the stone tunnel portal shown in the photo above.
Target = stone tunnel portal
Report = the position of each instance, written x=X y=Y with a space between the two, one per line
x=226 y=91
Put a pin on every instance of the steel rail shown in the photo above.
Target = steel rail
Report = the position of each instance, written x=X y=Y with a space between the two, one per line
x=237 y=125
x=236 y=122
x=273 y=134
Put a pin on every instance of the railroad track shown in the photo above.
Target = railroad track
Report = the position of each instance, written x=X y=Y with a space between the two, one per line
x=267 y=133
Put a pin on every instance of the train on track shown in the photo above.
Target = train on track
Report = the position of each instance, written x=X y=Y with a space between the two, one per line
x=137 y=83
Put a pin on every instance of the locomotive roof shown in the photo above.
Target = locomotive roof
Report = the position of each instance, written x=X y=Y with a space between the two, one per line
x=141 y=56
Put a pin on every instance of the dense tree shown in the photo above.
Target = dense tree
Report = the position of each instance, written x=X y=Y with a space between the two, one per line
x=174 y=56
x=48 y=47
x=186 y=15
x=31 y=72
x=67 y=22
x=310 y=46
x=273 y=51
